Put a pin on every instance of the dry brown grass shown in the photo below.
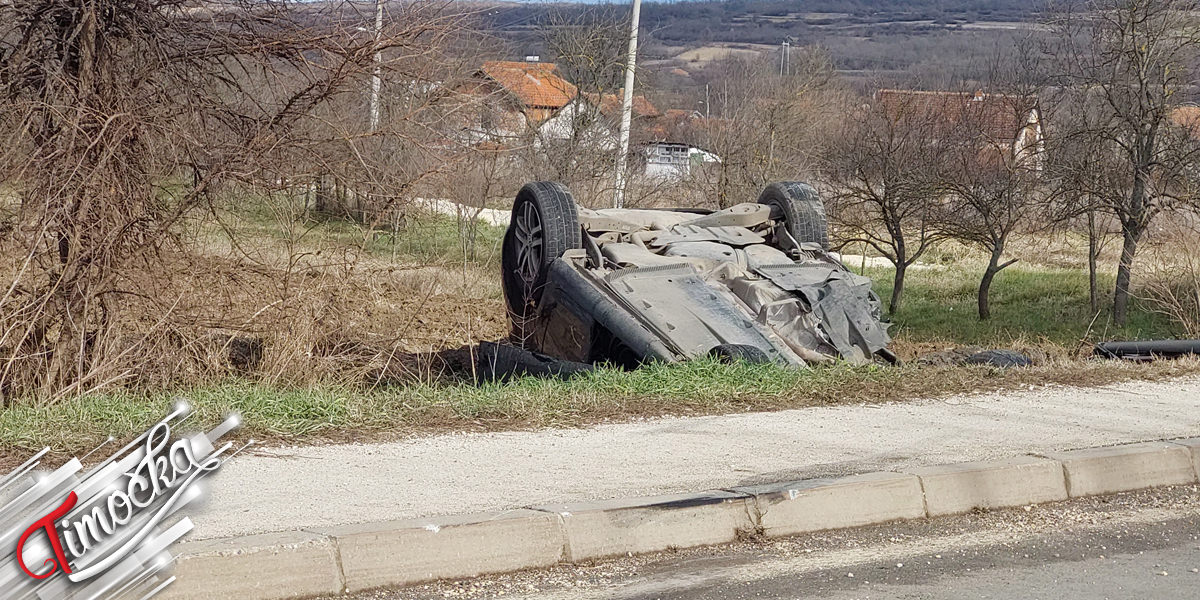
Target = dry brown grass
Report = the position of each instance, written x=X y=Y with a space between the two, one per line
x=286 y=299
x=716 y=52
x=346 y=321
x=1171 y=283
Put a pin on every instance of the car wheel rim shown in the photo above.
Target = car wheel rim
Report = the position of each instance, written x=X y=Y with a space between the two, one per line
x=529 y=243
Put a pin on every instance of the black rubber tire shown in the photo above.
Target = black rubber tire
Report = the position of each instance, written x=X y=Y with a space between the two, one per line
x=999 y=358
x=802 y=210
x=501 y=362
x=552 y=205
x=728 y=353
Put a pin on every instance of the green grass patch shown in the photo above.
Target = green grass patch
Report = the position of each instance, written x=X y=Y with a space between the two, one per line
x=442 y=239
x=428 y=239
x=1028 y=304
x=328 y=413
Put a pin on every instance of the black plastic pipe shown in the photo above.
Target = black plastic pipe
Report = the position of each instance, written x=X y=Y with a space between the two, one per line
x=1147 y=350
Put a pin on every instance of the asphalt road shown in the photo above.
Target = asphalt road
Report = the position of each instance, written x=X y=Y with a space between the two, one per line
x=1143 y=545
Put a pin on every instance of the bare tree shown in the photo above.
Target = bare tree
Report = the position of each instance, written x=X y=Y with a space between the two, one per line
x=1127 y=65
x=882 y=171
x=122 y=118
x=1075 y=174
x=578 y=148
x=765 y=126
x=589 y=47
x=989 y=180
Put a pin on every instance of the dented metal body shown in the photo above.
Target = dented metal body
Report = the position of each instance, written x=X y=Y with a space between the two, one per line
x=672 y=285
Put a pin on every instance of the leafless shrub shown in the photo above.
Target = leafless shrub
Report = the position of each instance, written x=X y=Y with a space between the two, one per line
x=1172 y=283
x=485 y=178
x=123 y=119
x=881 y=173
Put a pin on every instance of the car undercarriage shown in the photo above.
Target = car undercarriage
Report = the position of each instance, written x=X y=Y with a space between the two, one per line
x=754 y=282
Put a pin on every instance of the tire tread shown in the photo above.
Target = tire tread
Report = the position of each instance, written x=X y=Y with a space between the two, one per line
x=803 y=211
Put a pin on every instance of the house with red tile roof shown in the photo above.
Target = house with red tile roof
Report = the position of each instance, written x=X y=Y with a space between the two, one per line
x=536 y=88
x=1007 y=127
x=518 y=99
x=610 y=105
x=515 y=97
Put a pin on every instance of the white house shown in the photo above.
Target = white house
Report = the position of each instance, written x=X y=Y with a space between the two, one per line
x=672 y=154
x=594 y=120
x=673 y=160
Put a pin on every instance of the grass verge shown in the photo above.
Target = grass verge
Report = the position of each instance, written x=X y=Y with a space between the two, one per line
x=427 y=239
x=331 y=414
x=1030 y=305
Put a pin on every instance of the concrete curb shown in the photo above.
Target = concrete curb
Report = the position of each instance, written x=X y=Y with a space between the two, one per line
x=377 y=554
x=1095 y=471
x=356 y=557
x=639 y=525
x=816 y=504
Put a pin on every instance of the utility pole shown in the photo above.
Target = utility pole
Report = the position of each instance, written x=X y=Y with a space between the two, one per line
x=783 y=58
x=377 y=74
x=627 y=106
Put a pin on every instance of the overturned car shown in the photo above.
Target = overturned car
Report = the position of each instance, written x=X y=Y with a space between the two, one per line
x=753 y=282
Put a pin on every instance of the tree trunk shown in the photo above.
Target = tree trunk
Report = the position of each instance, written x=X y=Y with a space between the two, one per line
x=897 y=287
x=895 y=229
x=1124 y=274
x=1133 y=223
x=985 y=284
x=1093 y=254
x=323 y=204
x=722 y=186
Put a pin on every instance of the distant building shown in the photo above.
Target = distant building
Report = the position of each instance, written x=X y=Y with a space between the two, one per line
x=513 y=98
x=673 y=150
x=530 y=101
x=1008 y=127
x=668 y=160
x=595 y=120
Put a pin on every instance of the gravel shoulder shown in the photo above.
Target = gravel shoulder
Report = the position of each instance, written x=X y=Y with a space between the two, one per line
x=287 y=488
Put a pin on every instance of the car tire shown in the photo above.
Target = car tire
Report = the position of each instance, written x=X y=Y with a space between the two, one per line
x=802 y=211
x=544 y=225
x=730 y=353
x=999 y=358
